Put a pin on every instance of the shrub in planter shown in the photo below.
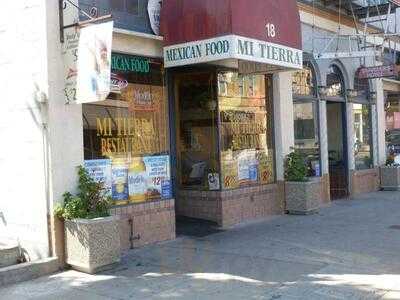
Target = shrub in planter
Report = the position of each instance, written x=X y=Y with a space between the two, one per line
x=390 y=175
x=91 y=235
x=303 y=195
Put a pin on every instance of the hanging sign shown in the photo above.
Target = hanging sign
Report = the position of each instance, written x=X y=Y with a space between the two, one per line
x=377 y=72
x=154 y=10
x=94 y=63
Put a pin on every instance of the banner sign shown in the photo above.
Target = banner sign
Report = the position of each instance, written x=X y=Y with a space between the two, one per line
x=377 y=72
x=94 y=63
x=100 y=171
x=232 y=47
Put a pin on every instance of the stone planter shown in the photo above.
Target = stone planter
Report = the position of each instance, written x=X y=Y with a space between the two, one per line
x=390 y=178
x=92 y=245
x=9 y=253
x=303 y=198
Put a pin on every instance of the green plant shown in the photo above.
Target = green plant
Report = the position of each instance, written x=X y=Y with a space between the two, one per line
x=295 y=167
x=90 y=202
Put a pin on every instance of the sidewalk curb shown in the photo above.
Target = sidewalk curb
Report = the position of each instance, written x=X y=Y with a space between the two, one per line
x=27 y=271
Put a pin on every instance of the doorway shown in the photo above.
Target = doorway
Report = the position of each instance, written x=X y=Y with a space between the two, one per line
x=337 y=149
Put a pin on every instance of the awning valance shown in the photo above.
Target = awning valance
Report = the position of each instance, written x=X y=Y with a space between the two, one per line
x=263 y=31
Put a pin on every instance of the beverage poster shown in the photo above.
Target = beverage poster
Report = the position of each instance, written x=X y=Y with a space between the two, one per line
x=247 y=166
x=100 y=171
x=158 y=177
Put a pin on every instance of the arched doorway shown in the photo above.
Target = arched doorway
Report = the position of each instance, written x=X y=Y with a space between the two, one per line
x=335 y=96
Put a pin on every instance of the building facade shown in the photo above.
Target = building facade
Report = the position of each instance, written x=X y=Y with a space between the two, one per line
x=181 y=134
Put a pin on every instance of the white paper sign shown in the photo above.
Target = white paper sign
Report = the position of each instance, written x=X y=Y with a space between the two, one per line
x=94 y=63
x=154 y=10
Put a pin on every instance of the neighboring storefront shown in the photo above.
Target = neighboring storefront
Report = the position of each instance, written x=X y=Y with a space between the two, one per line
x=392 y=117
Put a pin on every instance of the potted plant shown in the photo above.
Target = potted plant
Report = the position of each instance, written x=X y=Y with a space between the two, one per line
x=390 y=175
x=303 y=195
x=92 y=239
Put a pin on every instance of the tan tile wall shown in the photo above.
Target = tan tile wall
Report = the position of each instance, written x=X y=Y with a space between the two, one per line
x=365 y=181
x=152 y=221
x=232 y=207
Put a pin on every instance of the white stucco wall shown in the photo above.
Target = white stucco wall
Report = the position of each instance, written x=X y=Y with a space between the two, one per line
x=23 y=78
x=283 y=119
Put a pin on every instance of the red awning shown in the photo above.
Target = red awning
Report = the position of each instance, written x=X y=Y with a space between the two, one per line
x=269 y=27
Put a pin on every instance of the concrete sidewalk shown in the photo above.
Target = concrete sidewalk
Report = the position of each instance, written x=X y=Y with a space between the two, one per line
x=350 y=250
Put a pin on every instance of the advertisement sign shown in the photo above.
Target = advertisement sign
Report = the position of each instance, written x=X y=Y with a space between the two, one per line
x=247 y=166
x=94 y=63
x=377 y=72
x=154 y=10
x=100 y=171
x=158 y=177
x=119 y=181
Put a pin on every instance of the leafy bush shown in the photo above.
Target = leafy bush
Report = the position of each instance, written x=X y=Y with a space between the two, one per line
x=90 y=202
x=295 y=167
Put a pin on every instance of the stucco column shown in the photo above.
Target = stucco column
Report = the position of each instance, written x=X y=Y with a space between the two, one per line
x=323 y=136
x=283 y=119
x=350 y=135
x=380 y=122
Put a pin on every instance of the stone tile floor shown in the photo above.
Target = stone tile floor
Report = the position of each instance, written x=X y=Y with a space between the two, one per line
x=349 y=250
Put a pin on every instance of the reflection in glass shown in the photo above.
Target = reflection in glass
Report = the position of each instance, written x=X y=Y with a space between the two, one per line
x=303 y=82
x=246 y=143
x=197 y=130
x=362 y=136
x=306 y=134
x=334 y=83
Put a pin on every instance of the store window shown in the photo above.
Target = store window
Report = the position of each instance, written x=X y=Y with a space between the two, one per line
x=362 y=125
x=306 y=121
x=125 y=137
x=246 y=130
x=392 y=109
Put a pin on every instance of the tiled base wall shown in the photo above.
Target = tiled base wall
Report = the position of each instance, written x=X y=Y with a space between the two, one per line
x=152 y=222
x=365 y=181
x=325 y=189
x=228 y=208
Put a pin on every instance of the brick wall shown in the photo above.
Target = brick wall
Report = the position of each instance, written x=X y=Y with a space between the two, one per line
x=231 y=207
x=365 y=181
x=152 y=221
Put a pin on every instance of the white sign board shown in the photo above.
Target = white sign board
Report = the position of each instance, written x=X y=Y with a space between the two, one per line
x=232 y=47
x=94 y=63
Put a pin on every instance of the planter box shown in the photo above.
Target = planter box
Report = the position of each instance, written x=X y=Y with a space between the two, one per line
x=9 y=253
x=92 y=245
x=390 y=178
x=303 y=198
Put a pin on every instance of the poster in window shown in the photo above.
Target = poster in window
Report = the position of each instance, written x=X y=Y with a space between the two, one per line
x=100 y=171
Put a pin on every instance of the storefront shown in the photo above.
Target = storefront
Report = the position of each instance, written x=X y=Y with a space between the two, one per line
x=221 y=93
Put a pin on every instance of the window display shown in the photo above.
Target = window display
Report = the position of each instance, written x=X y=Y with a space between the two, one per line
x=246 y=143
x=362 y=136
x=125 y=137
